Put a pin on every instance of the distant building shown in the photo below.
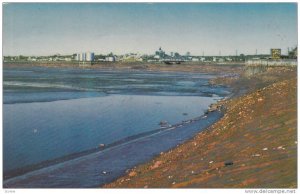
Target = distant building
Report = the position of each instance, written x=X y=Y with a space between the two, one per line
x=229 y=59
x=160 y=53
x=89 y=56
x=110 y=58
x=221 y=60
x=156 y=57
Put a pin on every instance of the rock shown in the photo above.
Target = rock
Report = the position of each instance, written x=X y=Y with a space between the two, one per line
x=265 y=149
x=165 y=170
x=228 y=163
x=185 y=122
x=211 y=162
x=280 y=148
x=102 y=145
x=132 y=173
x=156 y=165
x=164 y=123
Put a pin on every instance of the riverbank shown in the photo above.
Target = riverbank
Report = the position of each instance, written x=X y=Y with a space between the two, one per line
x=253 y=146
x=195 y=67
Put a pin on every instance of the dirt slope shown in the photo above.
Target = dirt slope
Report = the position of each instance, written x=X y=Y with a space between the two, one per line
x=253 y=146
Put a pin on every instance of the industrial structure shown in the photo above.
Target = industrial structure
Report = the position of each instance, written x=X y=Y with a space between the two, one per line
x=88 y=56
x=85 y=58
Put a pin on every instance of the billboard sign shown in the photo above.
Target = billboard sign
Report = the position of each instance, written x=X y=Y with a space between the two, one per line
x=275 y=53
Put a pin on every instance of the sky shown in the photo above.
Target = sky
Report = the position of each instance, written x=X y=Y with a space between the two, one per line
x=198 y=28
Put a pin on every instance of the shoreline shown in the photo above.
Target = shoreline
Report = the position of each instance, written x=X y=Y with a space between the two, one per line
x=44 y=164
x=20 y=181
x=153 y=174
x=31 y=168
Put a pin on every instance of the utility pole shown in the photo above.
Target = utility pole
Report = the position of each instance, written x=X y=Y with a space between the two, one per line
x=255 y=51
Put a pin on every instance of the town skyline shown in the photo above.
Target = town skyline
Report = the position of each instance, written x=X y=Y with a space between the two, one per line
x=199 y=28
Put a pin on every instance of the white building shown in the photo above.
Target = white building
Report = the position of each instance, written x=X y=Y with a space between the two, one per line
x=89 y=56
x=110 y=58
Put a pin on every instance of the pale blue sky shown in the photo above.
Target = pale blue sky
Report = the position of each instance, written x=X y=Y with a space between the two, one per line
x=43 y=29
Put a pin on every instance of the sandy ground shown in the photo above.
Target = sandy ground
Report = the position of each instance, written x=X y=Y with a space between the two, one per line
x=253 y=146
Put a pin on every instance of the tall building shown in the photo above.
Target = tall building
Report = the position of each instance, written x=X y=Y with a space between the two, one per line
x=89 y=56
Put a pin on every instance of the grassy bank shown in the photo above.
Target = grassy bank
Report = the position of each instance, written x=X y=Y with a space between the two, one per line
x=253 y=146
